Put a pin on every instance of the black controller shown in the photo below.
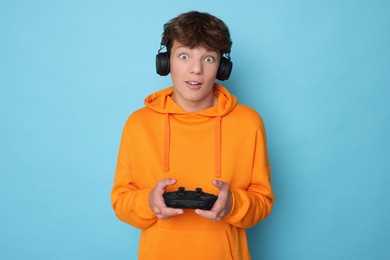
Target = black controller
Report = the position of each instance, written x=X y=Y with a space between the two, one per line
x=189 y=199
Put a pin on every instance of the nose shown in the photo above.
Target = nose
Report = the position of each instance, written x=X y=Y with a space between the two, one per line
x=196 y=67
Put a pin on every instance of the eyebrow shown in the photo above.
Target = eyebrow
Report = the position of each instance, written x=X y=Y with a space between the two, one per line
x=188 y=48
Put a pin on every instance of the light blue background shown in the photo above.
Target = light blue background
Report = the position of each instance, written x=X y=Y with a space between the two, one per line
x=317 y=71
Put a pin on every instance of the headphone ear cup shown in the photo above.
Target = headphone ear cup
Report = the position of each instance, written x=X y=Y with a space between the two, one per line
x=225 y=69
x=162 y=63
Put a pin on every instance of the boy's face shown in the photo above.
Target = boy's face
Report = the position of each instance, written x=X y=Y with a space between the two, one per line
x=193 y=73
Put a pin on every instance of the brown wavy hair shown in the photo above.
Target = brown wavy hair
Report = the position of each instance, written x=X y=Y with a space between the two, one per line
x=194 y=29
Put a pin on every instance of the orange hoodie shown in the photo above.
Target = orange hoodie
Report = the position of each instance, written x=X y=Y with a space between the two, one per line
x=225 y=142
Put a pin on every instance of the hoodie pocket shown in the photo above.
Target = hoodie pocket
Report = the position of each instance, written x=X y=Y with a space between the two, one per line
x=160 y=244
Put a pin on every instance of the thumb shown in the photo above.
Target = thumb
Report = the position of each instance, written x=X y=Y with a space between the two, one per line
x=218 y=183
x=167 y=182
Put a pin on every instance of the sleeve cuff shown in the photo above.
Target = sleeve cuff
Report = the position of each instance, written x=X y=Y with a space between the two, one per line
x=240 y=204
x=144 y=209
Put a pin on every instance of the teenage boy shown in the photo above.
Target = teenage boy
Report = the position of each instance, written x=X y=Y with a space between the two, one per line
x=193 y=134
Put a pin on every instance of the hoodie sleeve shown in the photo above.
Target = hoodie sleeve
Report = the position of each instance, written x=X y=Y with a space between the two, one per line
x=254 y=203
x=129 y=202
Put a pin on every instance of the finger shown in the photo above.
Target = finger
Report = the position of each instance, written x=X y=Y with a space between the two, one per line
x=166 y=213
x=171 y=211
x=209 y=214
x=217 y=183
x=162 y=184
x=156 y=211
x=221 y=185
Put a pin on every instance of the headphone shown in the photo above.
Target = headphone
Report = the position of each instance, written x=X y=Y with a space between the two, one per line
x=162 y=64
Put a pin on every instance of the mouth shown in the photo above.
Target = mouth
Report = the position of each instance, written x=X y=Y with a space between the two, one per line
x=194 y=84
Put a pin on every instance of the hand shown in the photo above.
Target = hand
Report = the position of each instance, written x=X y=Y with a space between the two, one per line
x=222 y=206
x=157 y=203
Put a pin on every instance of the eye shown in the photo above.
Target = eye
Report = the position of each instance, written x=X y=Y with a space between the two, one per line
x=183 y=56
x=209 y=59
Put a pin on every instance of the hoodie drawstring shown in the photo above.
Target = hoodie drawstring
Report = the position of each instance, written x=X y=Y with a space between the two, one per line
x=167 y=137
x=218 y=147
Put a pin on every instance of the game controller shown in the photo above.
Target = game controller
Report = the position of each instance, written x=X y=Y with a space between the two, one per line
x=189 y=199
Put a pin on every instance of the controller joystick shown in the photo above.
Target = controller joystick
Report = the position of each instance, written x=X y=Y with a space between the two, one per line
x=189 y=199
x=181 y=191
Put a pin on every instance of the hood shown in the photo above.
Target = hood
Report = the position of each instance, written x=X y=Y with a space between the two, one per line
x=161 y=102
